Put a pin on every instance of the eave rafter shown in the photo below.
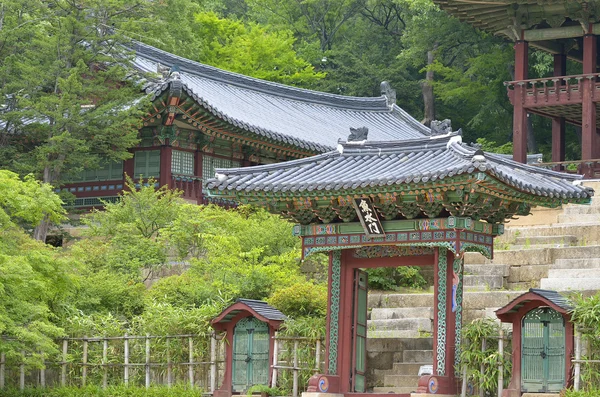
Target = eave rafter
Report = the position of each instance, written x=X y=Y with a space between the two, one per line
x=199 y=117
x=480 y=196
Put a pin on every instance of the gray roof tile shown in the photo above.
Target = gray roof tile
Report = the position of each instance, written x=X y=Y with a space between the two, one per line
x=307 y=119
x=373 y=163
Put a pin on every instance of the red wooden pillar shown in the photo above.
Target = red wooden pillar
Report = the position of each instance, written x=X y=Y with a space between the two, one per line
x=589 y=136
x=520 y=113
x=198 y=160
x=166 y=153
x=558 y=123
x=444 y=380
x=128 y=169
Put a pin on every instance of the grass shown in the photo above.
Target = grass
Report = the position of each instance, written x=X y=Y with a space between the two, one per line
x=111 y=391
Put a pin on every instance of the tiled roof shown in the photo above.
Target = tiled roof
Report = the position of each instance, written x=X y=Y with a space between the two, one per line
x=553 y=297
x=357 y=165
x=308 y=119
x=264 y=309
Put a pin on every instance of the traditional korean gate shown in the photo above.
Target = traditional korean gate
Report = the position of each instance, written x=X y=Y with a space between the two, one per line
x=250 y=354
x=543 y=355
x=359 y=334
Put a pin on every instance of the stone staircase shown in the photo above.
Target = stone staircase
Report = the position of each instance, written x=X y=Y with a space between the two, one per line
x=556 y=249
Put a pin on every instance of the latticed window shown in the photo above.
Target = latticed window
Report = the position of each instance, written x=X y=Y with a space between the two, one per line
x=147 y=163
x=108 y=171
x=182 y=163
x=209 y=164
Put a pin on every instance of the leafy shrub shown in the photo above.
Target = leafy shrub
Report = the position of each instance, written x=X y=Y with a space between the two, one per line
x=111 y=391
x=300 y=300
x=473 y=357
x=390 y=278
x=586 y=315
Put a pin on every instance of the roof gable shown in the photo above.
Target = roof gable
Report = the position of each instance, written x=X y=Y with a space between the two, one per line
x=304 y=118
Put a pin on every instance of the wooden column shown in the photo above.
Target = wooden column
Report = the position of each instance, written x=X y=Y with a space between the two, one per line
x=558 y=123
x=520 y=114
x=447 y=313
x=198 y=159
x=128 y=169
x=166 y=152
x=589 y=137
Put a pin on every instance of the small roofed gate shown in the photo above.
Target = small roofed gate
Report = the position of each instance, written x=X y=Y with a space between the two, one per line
x=543 y=351
x=250 y=354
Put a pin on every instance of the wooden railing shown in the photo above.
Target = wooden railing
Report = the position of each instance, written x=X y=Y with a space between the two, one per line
x=590 y=169
x=557 y=90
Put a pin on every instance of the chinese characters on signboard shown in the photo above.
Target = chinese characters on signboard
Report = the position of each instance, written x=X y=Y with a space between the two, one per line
x=368 y=217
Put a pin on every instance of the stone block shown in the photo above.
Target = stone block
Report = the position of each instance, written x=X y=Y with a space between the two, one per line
x=401 y=312
x=418 y=356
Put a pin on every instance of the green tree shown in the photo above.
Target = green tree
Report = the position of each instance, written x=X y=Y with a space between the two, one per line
x=67 y=102
x=33 y=280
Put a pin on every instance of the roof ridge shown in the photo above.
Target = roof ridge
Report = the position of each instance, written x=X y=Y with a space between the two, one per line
x=251 y=83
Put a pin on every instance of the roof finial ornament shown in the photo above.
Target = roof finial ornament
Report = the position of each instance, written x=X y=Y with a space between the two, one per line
x=175 y=75
x=389 y=93
x=163 y=70
x=441 y=127
x=358 y=134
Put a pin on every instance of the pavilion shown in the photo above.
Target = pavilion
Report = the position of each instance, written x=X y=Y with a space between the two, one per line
x=566 y=29
x=423 y=202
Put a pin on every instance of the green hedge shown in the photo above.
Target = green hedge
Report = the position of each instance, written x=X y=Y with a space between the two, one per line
x=112 y=391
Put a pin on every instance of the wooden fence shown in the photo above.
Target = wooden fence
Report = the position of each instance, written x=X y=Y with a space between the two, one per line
x=154 y=360
x=129 y=359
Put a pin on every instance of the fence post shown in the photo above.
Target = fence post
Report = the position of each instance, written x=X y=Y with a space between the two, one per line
x=318 y=356
x=22 y=371
x=63 y=369
x=275 y=354
x=577 y=373
x=84 y=361
x=213 y=362
x=500 y=366
x=169 y=365
x=481 y=367
x=295 y=391
x=126 y=360
x=43 y=371
x=191 y=359
x=2 y=369
x=147 y=361
x=105 y=363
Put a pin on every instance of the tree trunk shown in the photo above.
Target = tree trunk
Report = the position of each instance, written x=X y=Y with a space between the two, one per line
x=427 y=90
x=41 y=231
x=531 y=144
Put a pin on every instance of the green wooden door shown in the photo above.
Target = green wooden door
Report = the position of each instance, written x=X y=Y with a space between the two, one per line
x=359 y=335
x=250 y=354
x=543 y=351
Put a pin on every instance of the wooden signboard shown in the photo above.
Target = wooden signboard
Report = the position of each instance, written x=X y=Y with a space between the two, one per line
x=368 y=217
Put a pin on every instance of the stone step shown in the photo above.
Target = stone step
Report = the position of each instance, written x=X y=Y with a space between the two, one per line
x=588 y=234
x=574 y=273
x=417 y=356
x=395 y=390
x=417 y=324
x=490 y=269
x=582 y=209
x=486 y=281
x=563 y=241
x=401 y=312
x=541 y=395
x=570 y=284
x=396 y=334
x=401 y=380
x=537 y=256
x=472 y=300
x=578 y=218
x=408 y=368
x=583 y=263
